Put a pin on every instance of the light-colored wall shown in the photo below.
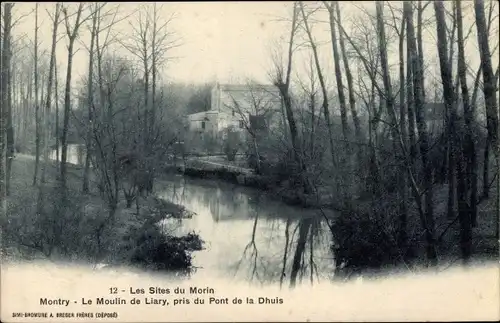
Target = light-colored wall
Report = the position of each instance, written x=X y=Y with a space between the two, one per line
x=212 y=125
x=247 y=97
x=195 y=122
x=221 y=115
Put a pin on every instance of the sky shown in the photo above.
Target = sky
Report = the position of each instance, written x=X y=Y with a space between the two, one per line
x=220 y=40
x=231 y=41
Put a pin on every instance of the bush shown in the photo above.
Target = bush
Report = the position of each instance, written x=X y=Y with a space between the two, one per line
x=71 y=226
x=231 y=144
x=62 y=228
x=149 y=248
x=252 y=163
x=363 y=242
x=230 y=152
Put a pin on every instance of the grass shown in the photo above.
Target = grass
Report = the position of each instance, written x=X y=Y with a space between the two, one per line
x=79 y=230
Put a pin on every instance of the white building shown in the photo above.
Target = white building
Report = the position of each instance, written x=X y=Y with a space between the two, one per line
x=237 y=106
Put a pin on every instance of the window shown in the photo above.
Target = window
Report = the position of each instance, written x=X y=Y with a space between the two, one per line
x=242 y=125
x=203 y=125
x=233 y=113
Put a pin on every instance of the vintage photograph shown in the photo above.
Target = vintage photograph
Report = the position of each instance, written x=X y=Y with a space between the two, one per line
x=290 y=145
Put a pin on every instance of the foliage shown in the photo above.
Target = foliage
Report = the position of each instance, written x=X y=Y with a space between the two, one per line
x=71 y=226
x=365 y=241
x=232 y=143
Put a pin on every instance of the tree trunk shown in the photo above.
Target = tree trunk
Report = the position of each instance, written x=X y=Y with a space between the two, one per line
x=450 y=101
x=338 y=75
x=403 y=206
x=420 y=13
x=498 y=177
x=8 y=107
x=257 y=155
x=4 y=87
x=56 y=92
x=153 y=67
x=469 y=149
x=72 y=35
x=90 y=103
x=489 y=85
x=37 y=101
x=284 y=87
x=486 y=168
x=146 y=96
x=352 y=99
x=48 y=102
x=285 y=252
x=417 y=71
x=67 y=111
x=323 y=87
x=304 y=227
x=410 y=102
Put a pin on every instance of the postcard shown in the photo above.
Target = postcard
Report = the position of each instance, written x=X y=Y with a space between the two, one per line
x=250 y=161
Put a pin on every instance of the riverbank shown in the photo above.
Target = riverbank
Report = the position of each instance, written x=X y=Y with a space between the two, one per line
x=368 y=229
x=244 y=177
x=72 y=226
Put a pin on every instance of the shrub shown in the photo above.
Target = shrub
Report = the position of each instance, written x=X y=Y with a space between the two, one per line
x=71 y=226
x=364 y=241
x=153 y=250
x=231 y=144
x=61 y=228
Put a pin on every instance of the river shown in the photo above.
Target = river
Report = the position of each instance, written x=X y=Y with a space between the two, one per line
x=248 y=236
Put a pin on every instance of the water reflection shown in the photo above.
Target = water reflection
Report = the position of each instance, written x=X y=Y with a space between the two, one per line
x=248 y=236
x=75 y=154
x=251 y=237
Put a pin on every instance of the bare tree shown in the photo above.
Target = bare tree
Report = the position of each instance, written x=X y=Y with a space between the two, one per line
x=56 y=95
x=420 y=50
x=469 y=149
x=311 y=92
x=322 y=83
x=72 y=34
x=163 y=40
x=488 y=76
x=338 y=72
x=417 y=72
x=48 y=102
x=410 y=105
x=477 y=84
x=105 y=154
x=489 y=88
x=281 y=78
x=151 y=42
x=402 y=231
x=90 y=102
x=450 y=101
x=347 y=68
x=255 y=108
x=37 y=101
x=371 y=71
x=6 y=104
